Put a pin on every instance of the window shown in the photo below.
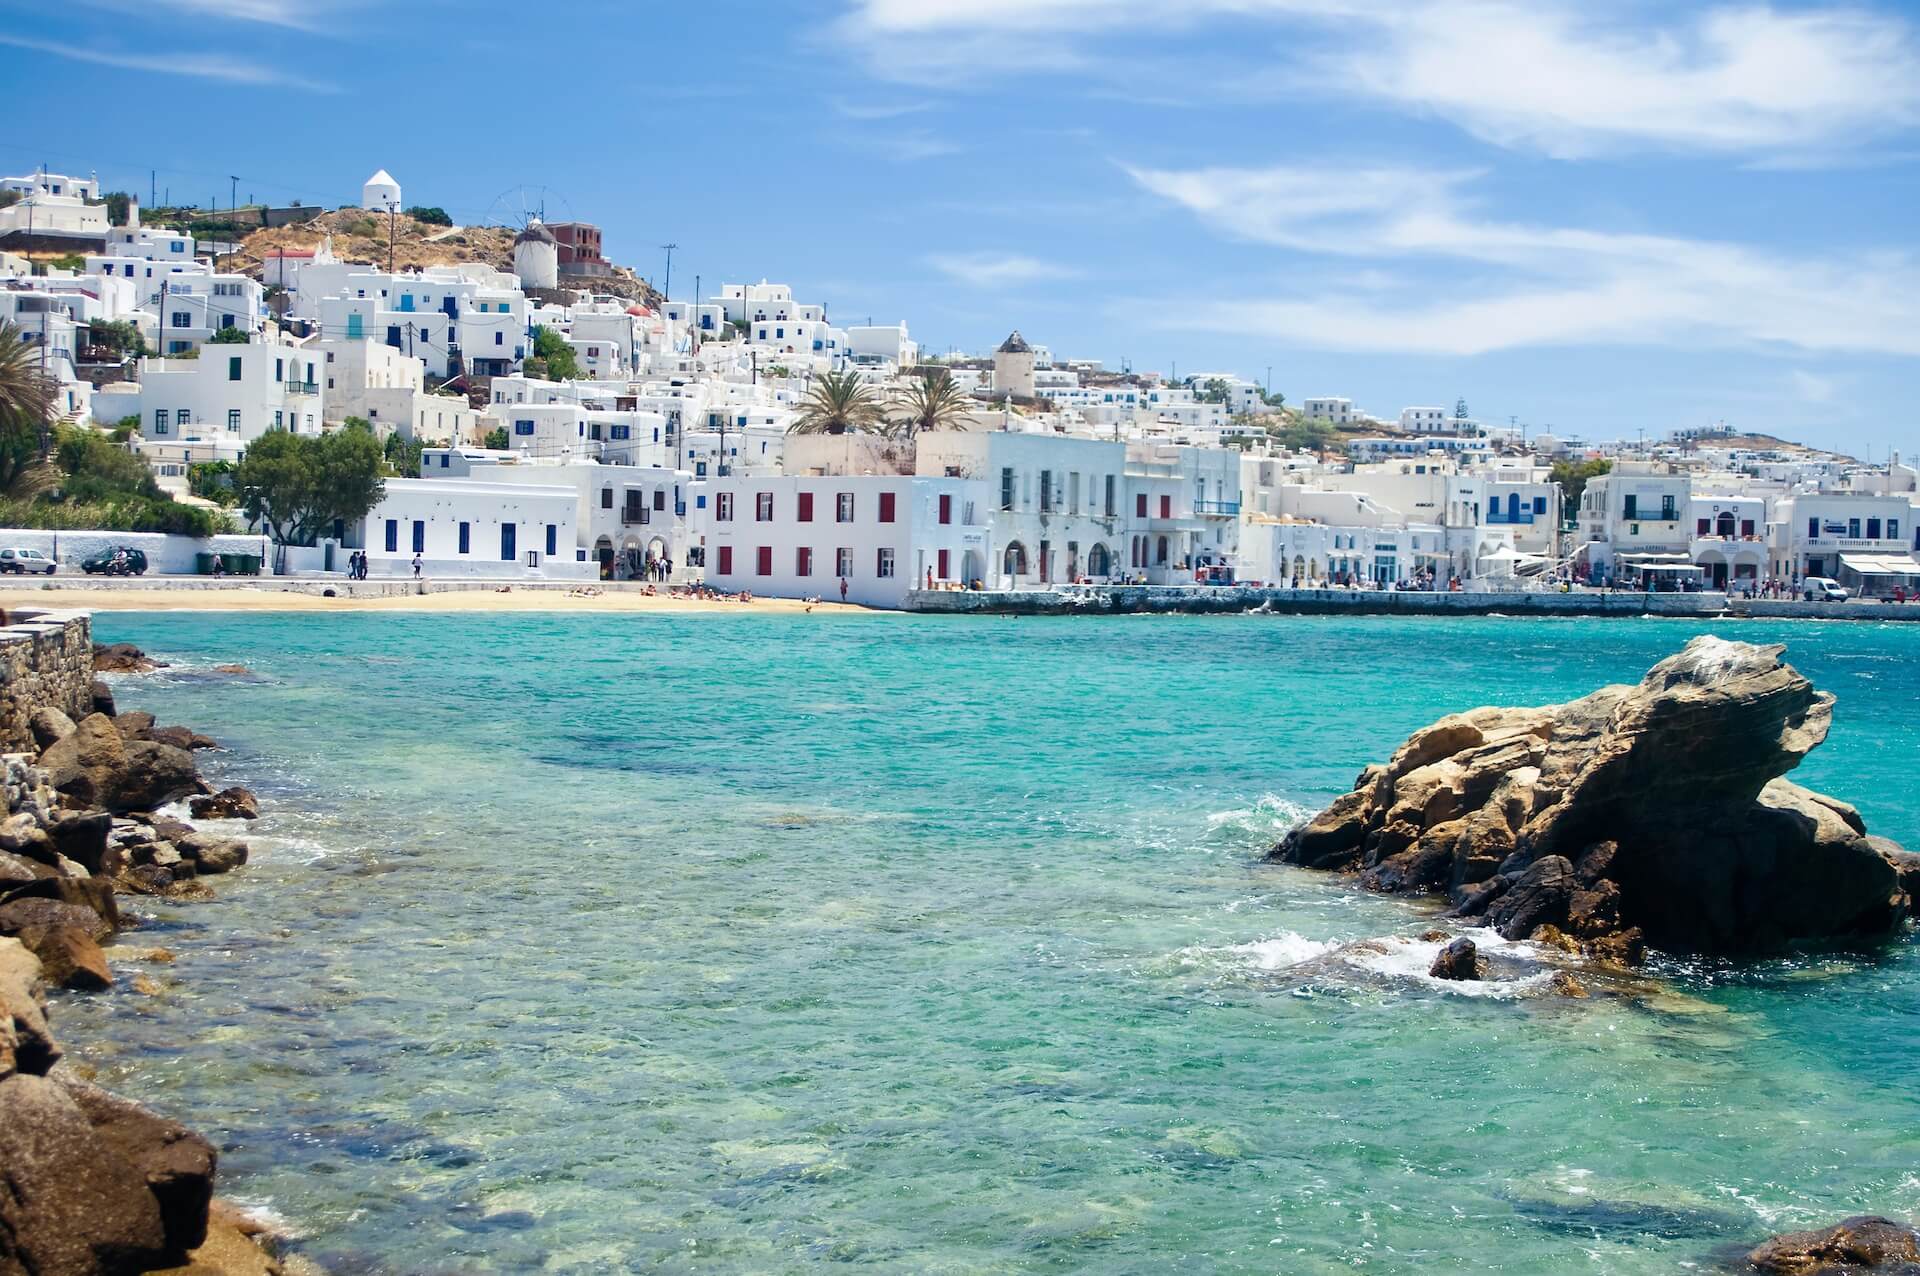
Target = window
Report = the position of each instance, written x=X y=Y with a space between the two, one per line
x=803 y=561
x=1006 y=487
x=181 y=319
x=1110 y=494
x=1631 y=509
x=723 y=507
x=233 y=367
x=1746 y=527
x=1046 y=491
x=509 y=537
x=803 y=507
x=279 y=418
x=1813 y=529
x=1873 y=529
x=883 y=568
x=1893 y=529
x=946 y=562
x=1166 y=506
x=606 y=498
x=843 y=507
x=726 y=560
x=1700 y=526
x=524 y=429
x=419 y=536
x=1669 y=508
x=183 y=417
x=946 y=512
x=159 y=420
x=1853 y=528
x=233 y=420
x=763 y=561
x=886 y=507
x=1140 y=505
x=393 y=536
x=553 y=540
x=1073 y=491
x=843 y=563
x=279 y=369
x=1539 y=504
x=466 y=538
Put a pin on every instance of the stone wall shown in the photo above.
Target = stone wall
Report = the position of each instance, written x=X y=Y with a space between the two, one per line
x=46 y=658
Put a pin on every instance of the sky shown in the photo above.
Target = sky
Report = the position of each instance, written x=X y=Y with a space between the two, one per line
x=1594 y=218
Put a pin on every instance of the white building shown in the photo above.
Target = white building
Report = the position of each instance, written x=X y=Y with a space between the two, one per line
x=469 y=317
x=54 y=210
x=1633 y=520
x=231 y=391
x=1817 y=533
x=380 y=193
x=1330 y=411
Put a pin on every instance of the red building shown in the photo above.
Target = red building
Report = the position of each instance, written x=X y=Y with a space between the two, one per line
x=579 y=244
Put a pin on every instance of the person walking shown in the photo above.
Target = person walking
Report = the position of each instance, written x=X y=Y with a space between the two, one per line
x=416 y=567
x=843 y=589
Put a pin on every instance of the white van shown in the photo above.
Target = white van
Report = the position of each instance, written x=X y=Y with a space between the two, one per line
x=1820 y=589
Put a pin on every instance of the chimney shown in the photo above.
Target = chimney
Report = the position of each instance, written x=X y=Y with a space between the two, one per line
x=133 y=213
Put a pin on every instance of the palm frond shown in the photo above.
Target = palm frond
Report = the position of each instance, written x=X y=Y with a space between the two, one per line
x=837 y=403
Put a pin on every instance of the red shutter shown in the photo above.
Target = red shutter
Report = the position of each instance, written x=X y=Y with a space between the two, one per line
x=805 y=500
x=946 y=516
x=726 y=560
x=1166 y=507
x=944 y=575
x=1140 y=505
x=1702 y=527
x=765 y=564
x=886 y=507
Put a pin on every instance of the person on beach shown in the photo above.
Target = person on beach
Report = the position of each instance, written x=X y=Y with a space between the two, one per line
x=416 y=567
x=843 y=589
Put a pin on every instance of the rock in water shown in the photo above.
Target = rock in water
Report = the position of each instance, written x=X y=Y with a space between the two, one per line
x=1458 y=960
x=97 y=765
x=1860 y=1245
x=1654 y=813
x=233 y=803
x=123 y=657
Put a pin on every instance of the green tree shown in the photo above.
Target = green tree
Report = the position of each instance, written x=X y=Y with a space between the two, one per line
x=552 y=350
x=98 y=470
x=1302 y=435
x=402 y=456
x=118 y=335
x=234 y=336
x=116 y=202
x=1215 y=390
x=212 y=481
x=432 y=216
x=1572 y=476
x=298 y=485
x=930 y=402
x=837 y=403
x=1274 y=400
x=496 y=440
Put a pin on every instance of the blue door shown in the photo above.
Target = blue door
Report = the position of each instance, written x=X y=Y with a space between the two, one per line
x=508 y=550
x=1513 y=507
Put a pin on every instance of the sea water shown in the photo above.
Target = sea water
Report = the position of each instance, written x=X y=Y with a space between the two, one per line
x=755 y=944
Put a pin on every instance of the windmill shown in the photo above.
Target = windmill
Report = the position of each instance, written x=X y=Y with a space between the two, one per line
x=517 y=207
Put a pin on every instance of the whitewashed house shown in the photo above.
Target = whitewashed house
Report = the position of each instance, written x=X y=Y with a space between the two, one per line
x=232 y=391
x=462 y=528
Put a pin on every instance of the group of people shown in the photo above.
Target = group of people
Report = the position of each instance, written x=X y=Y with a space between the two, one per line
x=357 y=565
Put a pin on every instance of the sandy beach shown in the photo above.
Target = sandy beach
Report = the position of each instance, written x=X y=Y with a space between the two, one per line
x=242 y=598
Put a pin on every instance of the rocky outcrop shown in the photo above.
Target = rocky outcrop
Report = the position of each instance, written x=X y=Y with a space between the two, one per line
x=1862 y=1245
x=1460 y=959
x=1653 y=813
x=97 y=765
x=123 y=657
x=233 y=803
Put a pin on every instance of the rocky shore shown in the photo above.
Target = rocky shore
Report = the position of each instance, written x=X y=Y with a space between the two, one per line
x=1653 y=814
x=92 y=1183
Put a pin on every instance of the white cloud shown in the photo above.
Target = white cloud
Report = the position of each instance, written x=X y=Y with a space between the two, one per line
x=1552 y=75
x=996 y=270
x=1528 y=285
x=1809 y=388
x=302 y=15
x=876 y=110
x=205 y=66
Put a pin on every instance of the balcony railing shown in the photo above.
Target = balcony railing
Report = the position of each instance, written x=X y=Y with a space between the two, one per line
x=303 y=387
x=1216 y=507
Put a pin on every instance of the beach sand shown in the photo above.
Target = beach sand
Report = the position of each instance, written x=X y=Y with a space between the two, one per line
x=467 y=600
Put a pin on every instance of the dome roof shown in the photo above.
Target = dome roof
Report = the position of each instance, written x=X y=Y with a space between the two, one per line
x=535 y=233
x=1014 y=344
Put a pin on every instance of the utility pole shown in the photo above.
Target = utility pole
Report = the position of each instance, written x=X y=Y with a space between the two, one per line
x=666 y=291
x=693 y=319
x=393 y=208
x=153 y=187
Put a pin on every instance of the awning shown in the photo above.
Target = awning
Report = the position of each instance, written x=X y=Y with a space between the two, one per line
x=1649 y=560
x=1880 y=565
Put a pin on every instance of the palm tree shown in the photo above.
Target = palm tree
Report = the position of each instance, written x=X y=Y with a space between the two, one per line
x=838 y=403
x=26 y=395
x=931 y=402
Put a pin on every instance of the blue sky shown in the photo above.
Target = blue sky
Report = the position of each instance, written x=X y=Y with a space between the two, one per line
x=1601 y=218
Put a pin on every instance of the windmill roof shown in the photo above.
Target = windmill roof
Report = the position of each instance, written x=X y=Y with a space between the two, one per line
x=1015 y=344
x=383 y=177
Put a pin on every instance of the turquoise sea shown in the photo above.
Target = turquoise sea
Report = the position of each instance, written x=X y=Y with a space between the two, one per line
x=770 y=944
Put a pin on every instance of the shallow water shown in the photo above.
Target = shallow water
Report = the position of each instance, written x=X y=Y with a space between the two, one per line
x=916 y=944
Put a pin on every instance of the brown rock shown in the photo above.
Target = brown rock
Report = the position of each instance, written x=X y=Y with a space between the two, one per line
x=1460 y=959
x=18 y=868
x=134 y=724
x=23 y=1018
x=1563 y=984
x=182 y=738
x=1859 y=1245
x=96 y=766
x=1552 y=936
x=233 y=803
x=20 y=915
x=178 y=1164
x=1538 y=897
x=123 y=657
x=213 y=854
x=81 y=836
x=146 y=985
x=69 y=1205
x=102 y=698
x=21 y=834
x=1621 y=948
x=88 y=892
x=49 y=724
x=69 y=957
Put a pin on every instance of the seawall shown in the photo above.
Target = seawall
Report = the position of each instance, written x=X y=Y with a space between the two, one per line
x=46 y=658
x=1095 y=600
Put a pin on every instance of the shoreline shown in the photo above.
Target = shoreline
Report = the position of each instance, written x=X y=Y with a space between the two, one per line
x=240 y=598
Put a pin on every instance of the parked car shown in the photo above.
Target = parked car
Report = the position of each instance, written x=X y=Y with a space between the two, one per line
x=25 y=562
x=1821 y=589
x=121 y=560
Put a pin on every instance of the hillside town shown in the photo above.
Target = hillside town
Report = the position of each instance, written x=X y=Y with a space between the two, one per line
x=553 y=417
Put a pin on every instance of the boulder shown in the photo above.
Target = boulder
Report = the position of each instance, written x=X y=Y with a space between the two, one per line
x=102 y=698
x=21 y=834
x=233 y=803
x=1861 y=1245
x=1653 y=813
x=97 y=766
x=177 y=1164
x=182 y=738
x=212 y=854
x=18 y=916
x=49 y=725
x=1460 y=959
x=134 y=724
x=69 y=957
x=123 y=657
x=69 y=1205
x=23 y=1016
x=87 y=892
x=81 y=836
x=15 y=869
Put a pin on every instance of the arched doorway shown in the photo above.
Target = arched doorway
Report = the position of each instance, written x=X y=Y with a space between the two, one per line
x=603 y=554
x=1160 y=552
x=1099 y=562
x=1299 y=567
x=1015 y=560
x=1724 y=524
x=971 y=571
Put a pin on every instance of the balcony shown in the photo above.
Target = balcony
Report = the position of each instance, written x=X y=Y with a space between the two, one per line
x=631 y=515
x=302 y=387
x=1225 y=508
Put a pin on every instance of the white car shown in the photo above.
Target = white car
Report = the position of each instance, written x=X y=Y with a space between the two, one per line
x=1821 y=589
x=23 y=562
